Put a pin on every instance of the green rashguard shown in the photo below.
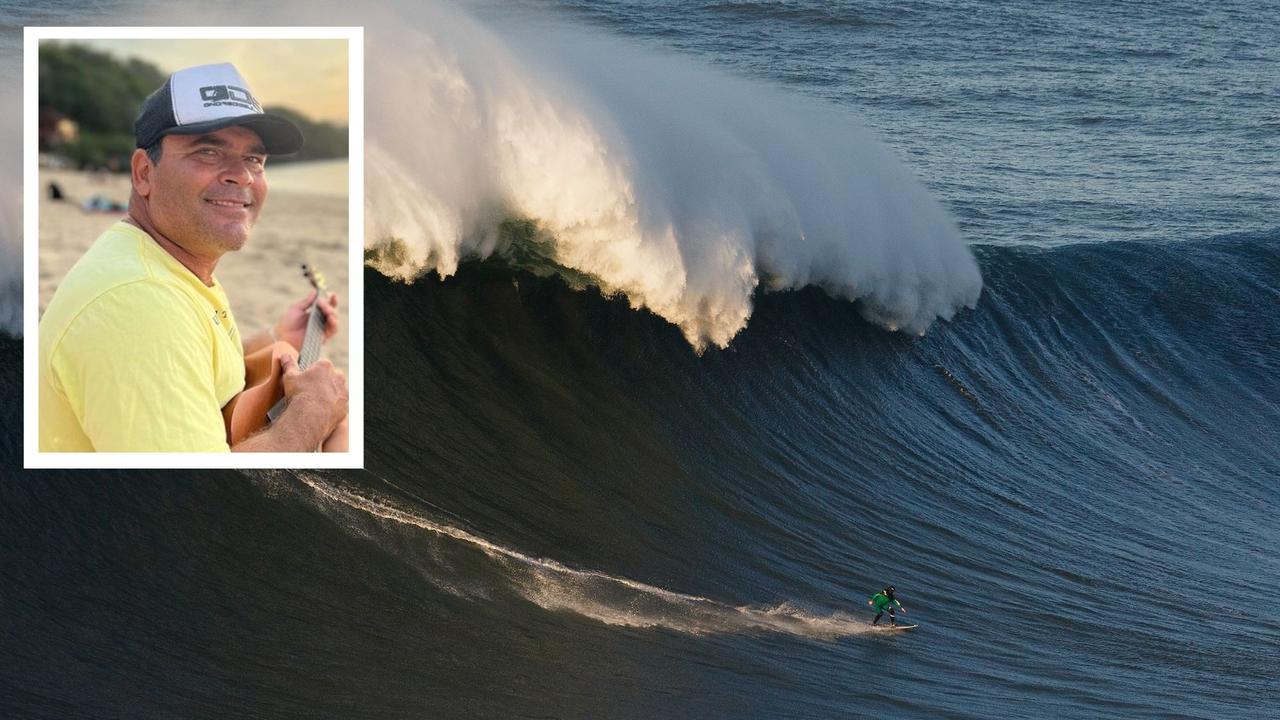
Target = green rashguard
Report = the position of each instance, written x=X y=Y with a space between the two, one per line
x=880 y=602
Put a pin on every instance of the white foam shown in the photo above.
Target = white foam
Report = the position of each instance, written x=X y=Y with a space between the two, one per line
x=675 y=184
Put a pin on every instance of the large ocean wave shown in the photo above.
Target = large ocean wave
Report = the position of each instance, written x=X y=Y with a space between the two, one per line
x=1093 y=386
x=1090 y=447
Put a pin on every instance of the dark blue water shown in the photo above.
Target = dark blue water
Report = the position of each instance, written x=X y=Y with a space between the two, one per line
x=567 y=512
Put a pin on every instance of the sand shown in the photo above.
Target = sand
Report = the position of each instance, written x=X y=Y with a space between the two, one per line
x=260 y=280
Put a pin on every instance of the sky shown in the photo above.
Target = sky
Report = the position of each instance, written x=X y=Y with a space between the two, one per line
x=309 y=76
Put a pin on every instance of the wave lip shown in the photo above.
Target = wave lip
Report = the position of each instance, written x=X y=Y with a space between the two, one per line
x=675 y=185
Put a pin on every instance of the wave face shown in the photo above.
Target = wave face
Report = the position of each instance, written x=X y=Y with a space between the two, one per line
x=569 y=511
x=1063 y=482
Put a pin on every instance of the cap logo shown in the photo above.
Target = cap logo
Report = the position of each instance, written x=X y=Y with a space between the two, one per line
x=206 y=98
x=216 y=95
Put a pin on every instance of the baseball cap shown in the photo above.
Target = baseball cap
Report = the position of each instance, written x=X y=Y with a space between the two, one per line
x=206 y=98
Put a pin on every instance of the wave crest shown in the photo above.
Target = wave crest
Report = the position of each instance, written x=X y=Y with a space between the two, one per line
x=679 y=187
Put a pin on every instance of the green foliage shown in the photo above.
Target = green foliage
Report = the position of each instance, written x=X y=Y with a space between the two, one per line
x=97 y=91
x=323 y=140
x=98 y=150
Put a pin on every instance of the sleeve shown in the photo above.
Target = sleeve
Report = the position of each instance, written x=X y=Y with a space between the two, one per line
x=137 y=368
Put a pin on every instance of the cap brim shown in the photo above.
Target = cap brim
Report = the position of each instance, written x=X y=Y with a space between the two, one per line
x=279 y=135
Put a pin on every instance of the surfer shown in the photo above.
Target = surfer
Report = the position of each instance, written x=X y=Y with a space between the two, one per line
x=139 y=351
x=884 y=600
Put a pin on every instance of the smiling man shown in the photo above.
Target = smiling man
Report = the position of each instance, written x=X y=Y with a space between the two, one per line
x=139 y=351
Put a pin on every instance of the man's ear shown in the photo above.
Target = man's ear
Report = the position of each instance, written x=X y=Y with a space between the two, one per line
x=141 y=167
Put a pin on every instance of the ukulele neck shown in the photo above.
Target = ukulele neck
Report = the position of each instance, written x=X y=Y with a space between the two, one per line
x=312 y=338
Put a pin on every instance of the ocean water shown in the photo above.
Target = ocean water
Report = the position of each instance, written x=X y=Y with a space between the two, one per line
x=724 y=316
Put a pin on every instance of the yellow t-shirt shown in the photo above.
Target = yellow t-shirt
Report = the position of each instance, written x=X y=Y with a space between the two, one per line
x=136 y=353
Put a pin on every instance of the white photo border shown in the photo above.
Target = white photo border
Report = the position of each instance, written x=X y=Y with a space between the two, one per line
x=32 y=457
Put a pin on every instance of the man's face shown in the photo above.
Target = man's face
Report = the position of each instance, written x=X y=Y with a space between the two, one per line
x=207 y=190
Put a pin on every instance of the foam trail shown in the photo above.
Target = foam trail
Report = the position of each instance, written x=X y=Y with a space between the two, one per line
x=599 y=596
x=676 y=185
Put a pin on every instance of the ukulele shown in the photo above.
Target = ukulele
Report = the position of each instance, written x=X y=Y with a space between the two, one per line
x=262 y=400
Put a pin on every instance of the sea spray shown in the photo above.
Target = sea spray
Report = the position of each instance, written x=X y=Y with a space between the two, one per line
x=678 y=186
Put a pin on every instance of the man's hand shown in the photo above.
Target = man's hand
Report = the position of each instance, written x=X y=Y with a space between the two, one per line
x=317 y=405
x=318 y=393
x=293 y=322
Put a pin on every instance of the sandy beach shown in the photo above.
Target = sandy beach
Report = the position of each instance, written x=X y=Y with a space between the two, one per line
x=301 y=222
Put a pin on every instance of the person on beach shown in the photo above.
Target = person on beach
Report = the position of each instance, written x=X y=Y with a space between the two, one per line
x=884 y=600
x=139 y=351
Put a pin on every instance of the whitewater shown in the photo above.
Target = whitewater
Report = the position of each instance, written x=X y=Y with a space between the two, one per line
x=680 y=187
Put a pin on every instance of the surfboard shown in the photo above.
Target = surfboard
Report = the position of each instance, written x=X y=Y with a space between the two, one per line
x=892 y=628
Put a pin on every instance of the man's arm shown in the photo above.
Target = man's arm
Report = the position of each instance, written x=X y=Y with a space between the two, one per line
x=300 y=429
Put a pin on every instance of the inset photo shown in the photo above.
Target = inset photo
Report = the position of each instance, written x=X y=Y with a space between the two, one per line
x=193 y=240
